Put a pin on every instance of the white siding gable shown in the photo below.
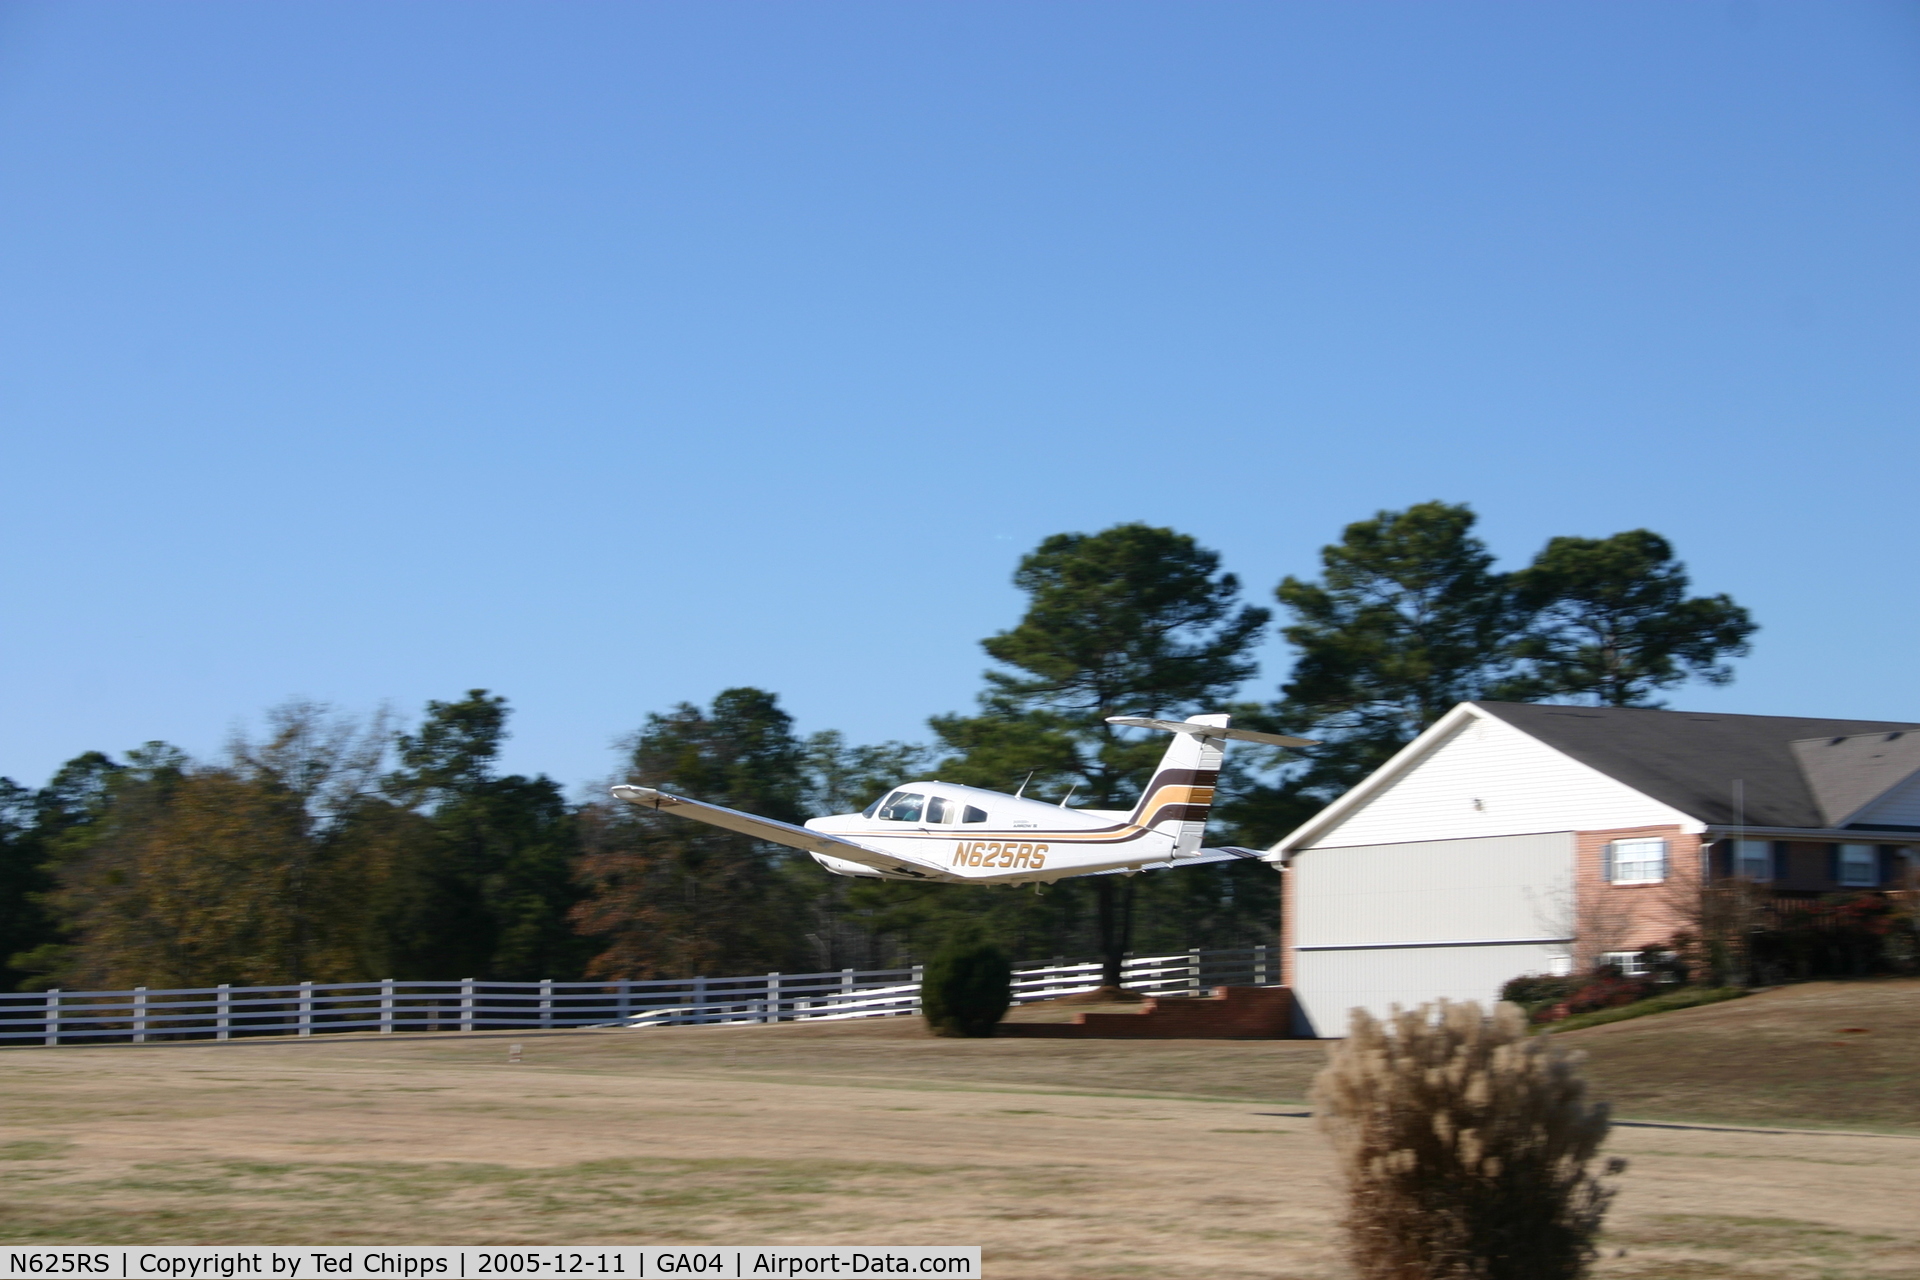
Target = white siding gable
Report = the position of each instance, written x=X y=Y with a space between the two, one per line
x=1489 y=779
x=1899 y=807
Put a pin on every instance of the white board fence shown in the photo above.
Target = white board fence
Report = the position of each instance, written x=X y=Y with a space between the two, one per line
x=470 y=1004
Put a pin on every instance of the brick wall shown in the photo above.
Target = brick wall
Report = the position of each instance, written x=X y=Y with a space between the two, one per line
x=1230 y=1013
x=1626 y=917
x=1287 y=913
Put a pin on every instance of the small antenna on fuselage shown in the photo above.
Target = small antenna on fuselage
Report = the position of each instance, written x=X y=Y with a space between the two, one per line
x=1070 y=790
x=1023 y=783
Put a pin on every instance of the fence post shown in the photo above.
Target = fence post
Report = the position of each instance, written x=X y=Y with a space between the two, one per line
x=846 y=986
x=546 y=1003
x=1260 y=966
x=919 y=977
x=139 y=1015
x=700 y=999
x=1193 y=973
x=223 y=1013
x=466 y=1004
x=53 y=1015
x=626 y=998
x=386 y=1006
x=306 y=1008
x=770 y=1007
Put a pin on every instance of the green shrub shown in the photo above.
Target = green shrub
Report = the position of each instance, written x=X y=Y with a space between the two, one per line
x=1538 y=992
x=1609 y=991
x=1686 y=998
x=967 y=986
x=1465 y=1145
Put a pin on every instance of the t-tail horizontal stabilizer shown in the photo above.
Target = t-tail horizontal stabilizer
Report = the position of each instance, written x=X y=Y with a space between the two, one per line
x=1213 y=731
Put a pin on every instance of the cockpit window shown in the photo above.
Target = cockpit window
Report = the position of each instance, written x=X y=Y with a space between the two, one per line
x=940 y=809
x=902 y=806
x=874 y=808
x=974 y=815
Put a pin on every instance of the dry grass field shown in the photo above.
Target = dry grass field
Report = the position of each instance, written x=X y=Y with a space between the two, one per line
x=1065 y=1160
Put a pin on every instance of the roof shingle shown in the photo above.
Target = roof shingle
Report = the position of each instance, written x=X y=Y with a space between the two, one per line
x=1690 y=760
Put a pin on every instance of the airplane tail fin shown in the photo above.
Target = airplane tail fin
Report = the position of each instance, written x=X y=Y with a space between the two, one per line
x=1177 y=800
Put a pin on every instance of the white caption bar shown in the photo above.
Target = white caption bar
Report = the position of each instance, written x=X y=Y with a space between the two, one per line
x=413 y=1262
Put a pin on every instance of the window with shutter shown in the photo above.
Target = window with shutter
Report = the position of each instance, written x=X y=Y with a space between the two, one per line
x=1753 y=859
x=1859 y=866
x=1638 y=861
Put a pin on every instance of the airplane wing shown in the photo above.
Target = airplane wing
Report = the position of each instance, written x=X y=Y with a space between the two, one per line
x=776 y=832
x=1226 y=853
x=1213 y=731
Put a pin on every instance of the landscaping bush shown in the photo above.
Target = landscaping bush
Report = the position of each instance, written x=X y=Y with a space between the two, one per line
x=1608 y=992
x=1466 y=1147
x=1547 y=999
x=1538 y=992
x=966 y=987
x=1841 y=936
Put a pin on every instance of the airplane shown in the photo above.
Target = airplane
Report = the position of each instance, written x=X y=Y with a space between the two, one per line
x=940 y=832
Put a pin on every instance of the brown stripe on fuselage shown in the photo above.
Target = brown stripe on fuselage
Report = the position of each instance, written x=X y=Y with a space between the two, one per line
x=1127 y=832
x=1195 y=778
x=1178 y=813
x=1185 y=777
x=1192 y=797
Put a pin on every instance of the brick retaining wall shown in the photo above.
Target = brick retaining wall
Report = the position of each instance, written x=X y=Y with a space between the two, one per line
x=1230 y=1013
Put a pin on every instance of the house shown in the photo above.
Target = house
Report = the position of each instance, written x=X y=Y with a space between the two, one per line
x=1514 y=838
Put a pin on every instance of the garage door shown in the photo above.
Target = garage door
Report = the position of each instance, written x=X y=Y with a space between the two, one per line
x=1378 y=925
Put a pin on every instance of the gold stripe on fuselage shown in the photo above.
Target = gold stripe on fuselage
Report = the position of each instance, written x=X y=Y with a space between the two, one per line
x=1178 y=795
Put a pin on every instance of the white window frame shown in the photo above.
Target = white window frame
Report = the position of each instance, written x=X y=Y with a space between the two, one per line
x=1746 y=851
x=1871 y=865
x=1631 y=964
x=1656 y=846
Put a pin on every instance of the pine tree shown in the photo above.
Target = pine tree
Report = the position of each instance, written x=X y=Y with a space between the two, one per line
x=1134 y=620
x=1611 y=621
x=1408 y=618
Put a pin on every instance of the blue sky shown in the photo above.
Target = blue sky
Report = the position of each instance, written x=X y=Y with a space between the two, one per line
x=607 y=355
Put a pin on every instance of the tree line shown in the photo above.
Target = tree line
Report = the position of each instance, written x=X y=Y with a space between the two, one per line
x=332 y=849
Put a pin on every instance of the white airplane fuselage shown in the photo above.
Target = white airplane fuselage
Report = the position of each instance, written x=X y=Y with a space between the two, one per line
x=993 y=838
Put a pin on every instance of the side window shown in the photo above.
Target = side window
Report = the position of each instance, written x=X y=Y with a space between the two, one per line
x=1637 y=861
x=939 y=809
x=1631 y=964
x=974 y=815
x=902 y=806
x=1859 y=866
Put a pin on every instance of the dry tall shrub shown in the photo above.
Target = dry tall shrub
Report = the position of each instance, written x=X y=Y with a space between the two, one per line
x=1466 y=1145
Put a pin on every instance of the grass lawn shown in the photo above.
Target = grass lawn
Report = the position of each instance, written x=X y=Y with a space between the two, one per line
x=1822 y=1054
x=1065 y=1160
